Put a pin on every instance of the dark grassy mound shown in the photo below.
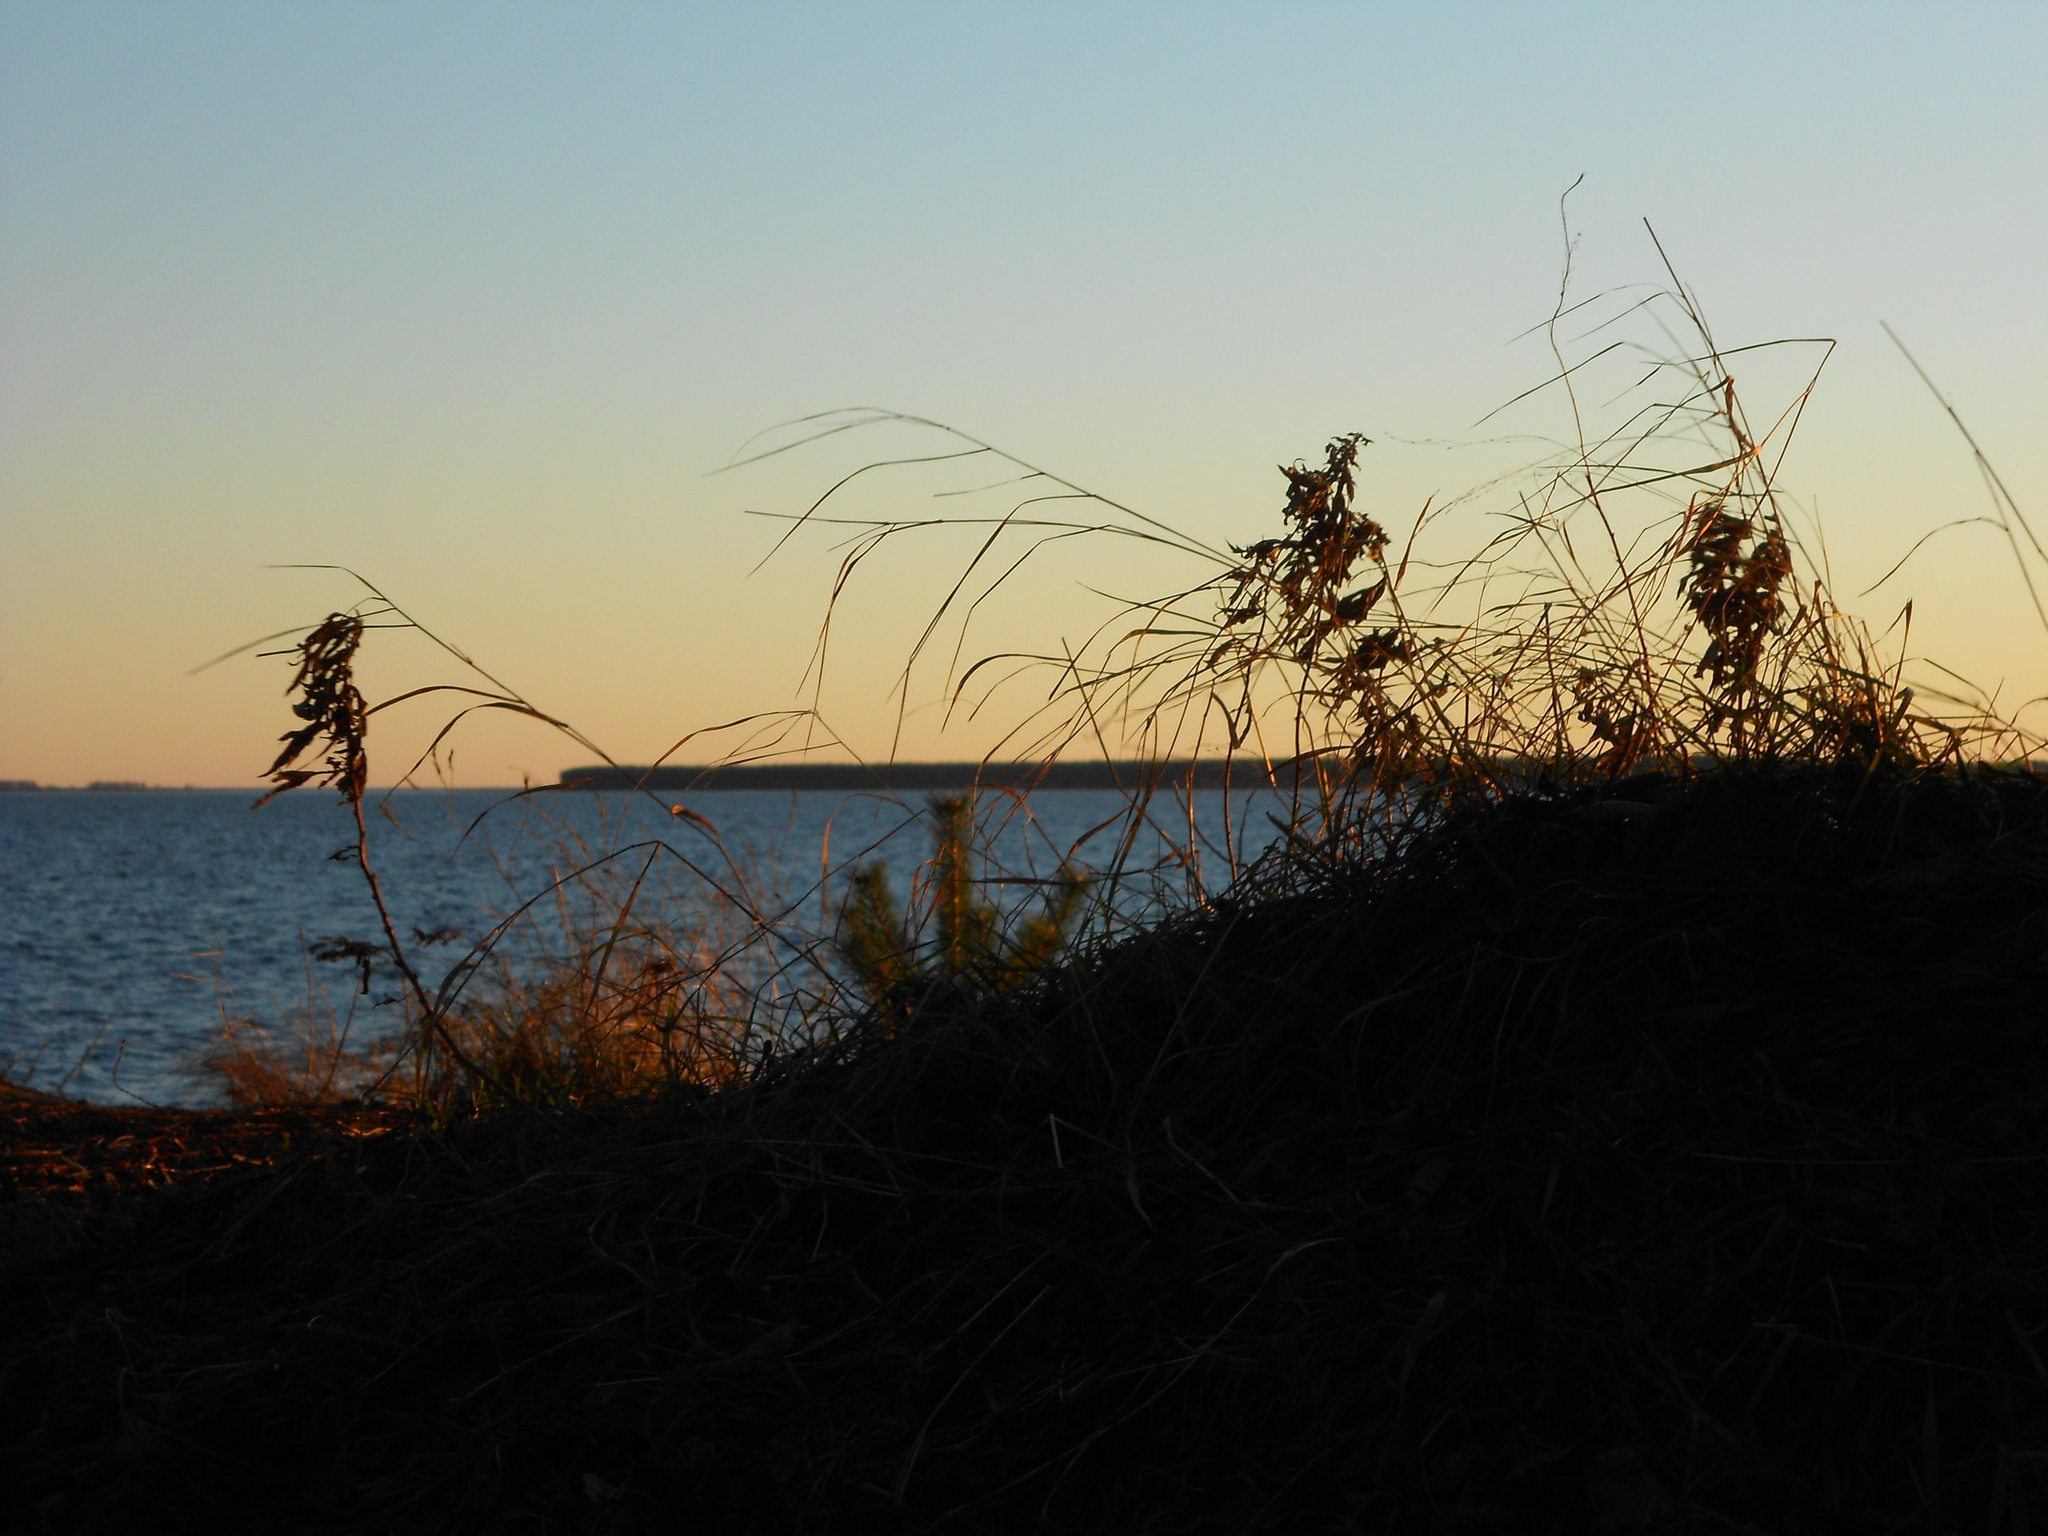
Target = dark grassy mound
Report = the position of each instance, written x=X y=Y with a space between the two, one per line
x=1668 y=1162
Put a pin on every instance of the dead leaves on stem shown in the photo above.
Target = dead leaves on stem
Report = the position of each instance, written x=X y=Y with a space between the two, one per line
x=336 y=719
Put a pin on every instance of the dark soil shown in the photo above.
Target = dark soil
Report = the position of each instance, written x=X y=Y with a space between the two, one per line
x=1664 y=1159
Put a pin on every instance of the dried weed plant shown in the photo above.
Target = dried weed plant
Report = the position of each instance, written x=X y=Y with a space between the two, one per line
x=1654 y=1149
x=310 y=1060
x=670 y=964
x=1641 y=605
x=623 y=1007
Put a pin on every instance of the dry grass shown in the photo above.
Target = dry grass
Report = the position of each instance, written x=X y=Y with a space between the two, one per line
x=1662 y=1173
x=1615 y=1106
x=1642 y=606
x=1640 y=603
x=310 y=1061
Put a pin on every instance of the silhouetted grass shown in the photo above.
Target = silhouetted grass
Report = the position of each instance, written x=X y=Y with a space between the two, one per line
x=1661 y=1167
x=1616 y=1104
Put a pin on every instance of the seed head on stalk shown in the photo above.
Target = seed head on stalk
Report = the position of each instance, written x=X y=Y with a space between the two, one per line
x=337 y=720
x=333 y=710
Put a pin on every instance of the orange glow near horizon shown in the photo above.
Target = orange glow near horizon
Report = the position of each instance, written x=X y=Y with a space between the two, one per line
x=480 y=303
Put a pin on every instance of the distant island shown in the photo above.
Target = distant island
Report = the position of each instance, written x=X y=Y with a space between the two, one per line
x=99 y=786
x=1207 y=774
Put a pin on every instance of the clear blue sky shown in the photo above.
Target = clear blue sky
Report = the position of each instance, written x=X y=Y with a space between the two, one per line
x=471 y=298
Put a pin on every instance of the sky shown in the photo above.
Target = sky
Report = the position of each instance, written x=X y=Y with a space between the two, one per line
x=478 y=301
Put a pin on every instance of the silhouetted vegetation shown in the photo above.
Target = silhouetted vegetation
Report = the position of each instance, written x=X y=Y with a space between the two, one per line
x=971 y=947
x=1611 y=1104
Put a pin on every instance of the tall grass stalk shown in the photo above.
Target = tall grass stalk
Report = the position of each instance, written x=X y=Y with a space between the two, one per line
x=1641 y=602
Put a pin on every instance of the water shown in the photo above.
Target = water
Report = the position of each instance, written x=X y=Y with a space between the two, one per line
x=133 y=923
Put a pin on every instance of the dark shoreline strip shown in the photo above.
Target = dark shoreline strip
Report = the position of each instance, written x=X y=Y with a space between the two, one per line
x=919 y=776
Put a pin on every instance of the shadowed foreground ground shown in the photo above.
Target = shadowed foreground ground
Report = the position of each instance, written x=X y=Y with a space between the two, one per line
x=1670 y=1164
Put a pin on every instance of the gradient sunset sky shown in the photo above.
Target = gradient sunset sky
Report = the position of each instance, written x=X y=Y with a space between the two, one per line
x=473 y=298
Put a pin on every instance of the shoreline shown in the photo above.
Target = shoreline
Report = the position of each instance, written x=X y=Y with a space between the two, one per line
x=1122 y=776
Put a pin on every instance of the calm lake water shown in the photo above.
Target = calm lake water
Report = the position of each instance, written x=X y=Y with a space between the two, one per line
x=133 y=923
